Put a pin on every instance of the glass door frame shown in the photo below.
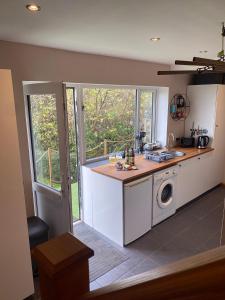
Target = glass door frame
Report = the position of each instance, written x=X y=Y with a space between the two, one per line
x=58 y=89
x=79 y=144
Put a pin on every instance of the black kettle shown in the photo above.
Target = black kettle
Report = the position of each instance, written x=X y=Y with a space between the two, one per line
x=203 y=141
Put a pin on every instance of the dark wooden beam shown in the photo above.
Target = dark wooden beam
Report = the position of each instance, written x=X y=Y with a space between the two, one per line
x=177 y=72
x=183 y=72
x=208 y=61
x=190 y=63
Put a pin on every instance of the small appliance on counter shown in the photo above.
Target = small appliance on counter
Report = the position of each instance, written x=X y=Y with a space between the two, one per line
x=140 y=139
x=202 y=141
x=187 y=142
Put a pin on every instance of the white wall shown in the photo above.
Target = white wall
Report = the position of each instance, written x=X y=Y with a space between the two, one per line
x=15 y=265
x=31 y=63
x=162 y=115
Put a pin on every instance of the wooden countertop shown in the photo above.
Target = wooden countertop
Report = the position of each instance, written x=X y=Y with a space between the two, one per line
x=146 y=167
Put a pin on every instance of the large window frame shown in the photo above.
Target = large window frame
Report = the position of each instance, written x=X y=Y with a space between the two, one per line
x=79 y=106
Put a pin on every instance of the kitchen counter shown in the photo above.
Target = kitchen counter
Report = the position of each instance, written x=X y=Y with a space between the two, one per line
x=146 y=167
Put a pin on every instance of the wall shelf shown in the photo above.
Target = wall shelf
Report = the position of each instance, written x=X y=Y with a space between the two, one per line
x=179 y=107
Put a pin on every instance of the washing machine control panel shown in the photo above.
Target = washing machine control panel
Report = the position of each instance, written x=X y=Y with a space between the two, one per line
x=164 y=175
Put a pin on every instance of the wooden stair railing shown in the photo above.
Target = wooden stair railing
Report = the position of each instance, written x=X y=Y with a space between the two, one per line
x=222 y=238
x=63 y=268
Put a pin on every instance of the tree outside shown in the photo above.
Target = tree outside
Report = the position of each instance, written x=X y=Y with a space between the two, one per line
x=109 y=120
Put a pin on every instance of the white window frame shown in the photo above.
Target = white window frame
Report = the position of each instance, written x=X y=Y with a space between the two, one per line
x=80 y=113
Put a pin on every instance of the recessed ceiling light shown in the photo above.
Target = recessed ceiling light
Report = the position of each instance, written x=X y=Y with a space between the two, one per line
x=155 y=39
x=33 y=7
x=203 y=51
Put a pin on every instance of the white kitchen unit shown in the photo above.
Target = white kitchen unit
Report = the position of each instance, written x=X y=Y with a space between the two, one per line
x=194 y=178
x=137 y=208
x=199 y=174
x=122 y=212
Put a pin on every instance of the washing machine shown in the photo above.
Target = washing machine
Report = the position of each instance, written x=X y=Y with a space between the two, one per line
x=164 y=194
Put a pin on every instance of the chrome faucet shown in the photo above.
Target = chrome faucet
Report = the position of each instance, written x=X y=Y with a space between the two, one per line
x=170 y=141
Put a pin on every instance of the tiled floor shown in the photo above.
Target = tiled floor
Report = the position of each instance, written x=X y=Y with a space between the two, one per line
x=195 y=228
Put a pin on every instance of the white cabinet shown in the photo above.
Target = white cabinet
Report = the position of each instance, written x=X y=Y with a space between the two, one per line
x=186 y=181
x=137 y=208
x=207 y=111
x=102 y=204
x=122 y=212
x=194 y=178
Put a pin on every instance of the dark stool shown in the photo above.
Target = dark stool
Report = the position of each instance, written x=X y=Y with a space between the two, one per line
x=38 y=233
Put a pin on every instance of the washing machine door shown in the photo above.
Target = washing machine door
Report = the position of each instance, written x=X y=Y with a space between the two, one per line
x=165 y=194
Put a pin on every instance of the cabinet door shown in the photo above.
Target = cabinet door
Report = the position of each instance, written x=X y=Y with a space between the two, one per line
x=204 y=172
x=137 y=208
x=195 y=177
x=186 y=181
x=203 y=108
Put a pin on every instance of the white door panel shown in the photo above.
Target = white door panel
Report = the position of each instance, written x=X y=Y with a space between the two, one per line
x=49 y=154
x=187 y=181
x=137 y=208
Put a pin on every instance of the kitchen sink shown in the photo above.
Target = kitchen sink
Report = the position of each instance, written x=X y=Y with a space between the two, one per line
x=175 y=153
x=163 y=156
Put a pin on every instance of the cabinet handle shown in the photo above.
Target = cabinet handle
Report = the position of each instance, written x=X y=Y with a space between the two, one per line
x=137 y=182
x=180 y=165
x=217 y=125
x=199 y=157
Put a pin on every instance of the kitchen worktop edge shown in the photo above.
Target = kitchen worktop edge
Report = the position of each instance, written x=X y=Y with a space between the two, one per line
x=146 y=167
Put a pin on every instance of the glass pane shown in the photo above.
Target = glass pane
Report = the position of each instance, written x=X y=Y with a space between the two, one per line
x=109 y=120
x=166 y=193
x=45 y=140
x=73 y=153
x=145 y=118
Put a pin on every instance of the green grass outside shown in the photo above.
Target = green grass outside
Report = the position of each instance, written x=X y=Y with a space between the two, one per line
x=75 y=201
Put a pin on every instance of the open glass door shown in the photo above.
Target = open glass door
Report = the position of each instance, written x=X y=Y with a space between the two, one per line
x=49 y=153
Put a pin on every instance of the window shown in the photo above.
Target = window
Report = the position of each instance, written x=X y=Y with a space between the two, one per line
x=146 y=114
x=112 y=116
x=45 y=141
x=109 y=120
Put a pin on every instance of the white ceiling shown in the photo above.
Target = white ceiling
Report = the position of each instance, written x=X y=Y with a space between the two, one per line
x=119 y=28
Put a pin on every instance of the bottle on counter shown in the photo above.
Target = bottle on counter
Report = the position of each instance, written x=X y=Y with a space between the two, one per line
x=127 y=157
x=131 y=157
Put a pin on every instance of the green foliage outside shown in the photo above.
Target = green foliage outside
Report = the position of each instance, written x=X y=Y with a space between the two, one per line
x=109 y=115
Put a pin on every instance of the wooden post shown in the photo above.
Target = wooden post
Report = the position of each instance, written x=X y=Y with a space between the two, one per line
x=63 y=268
x=105 y=147
x=50 y=165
